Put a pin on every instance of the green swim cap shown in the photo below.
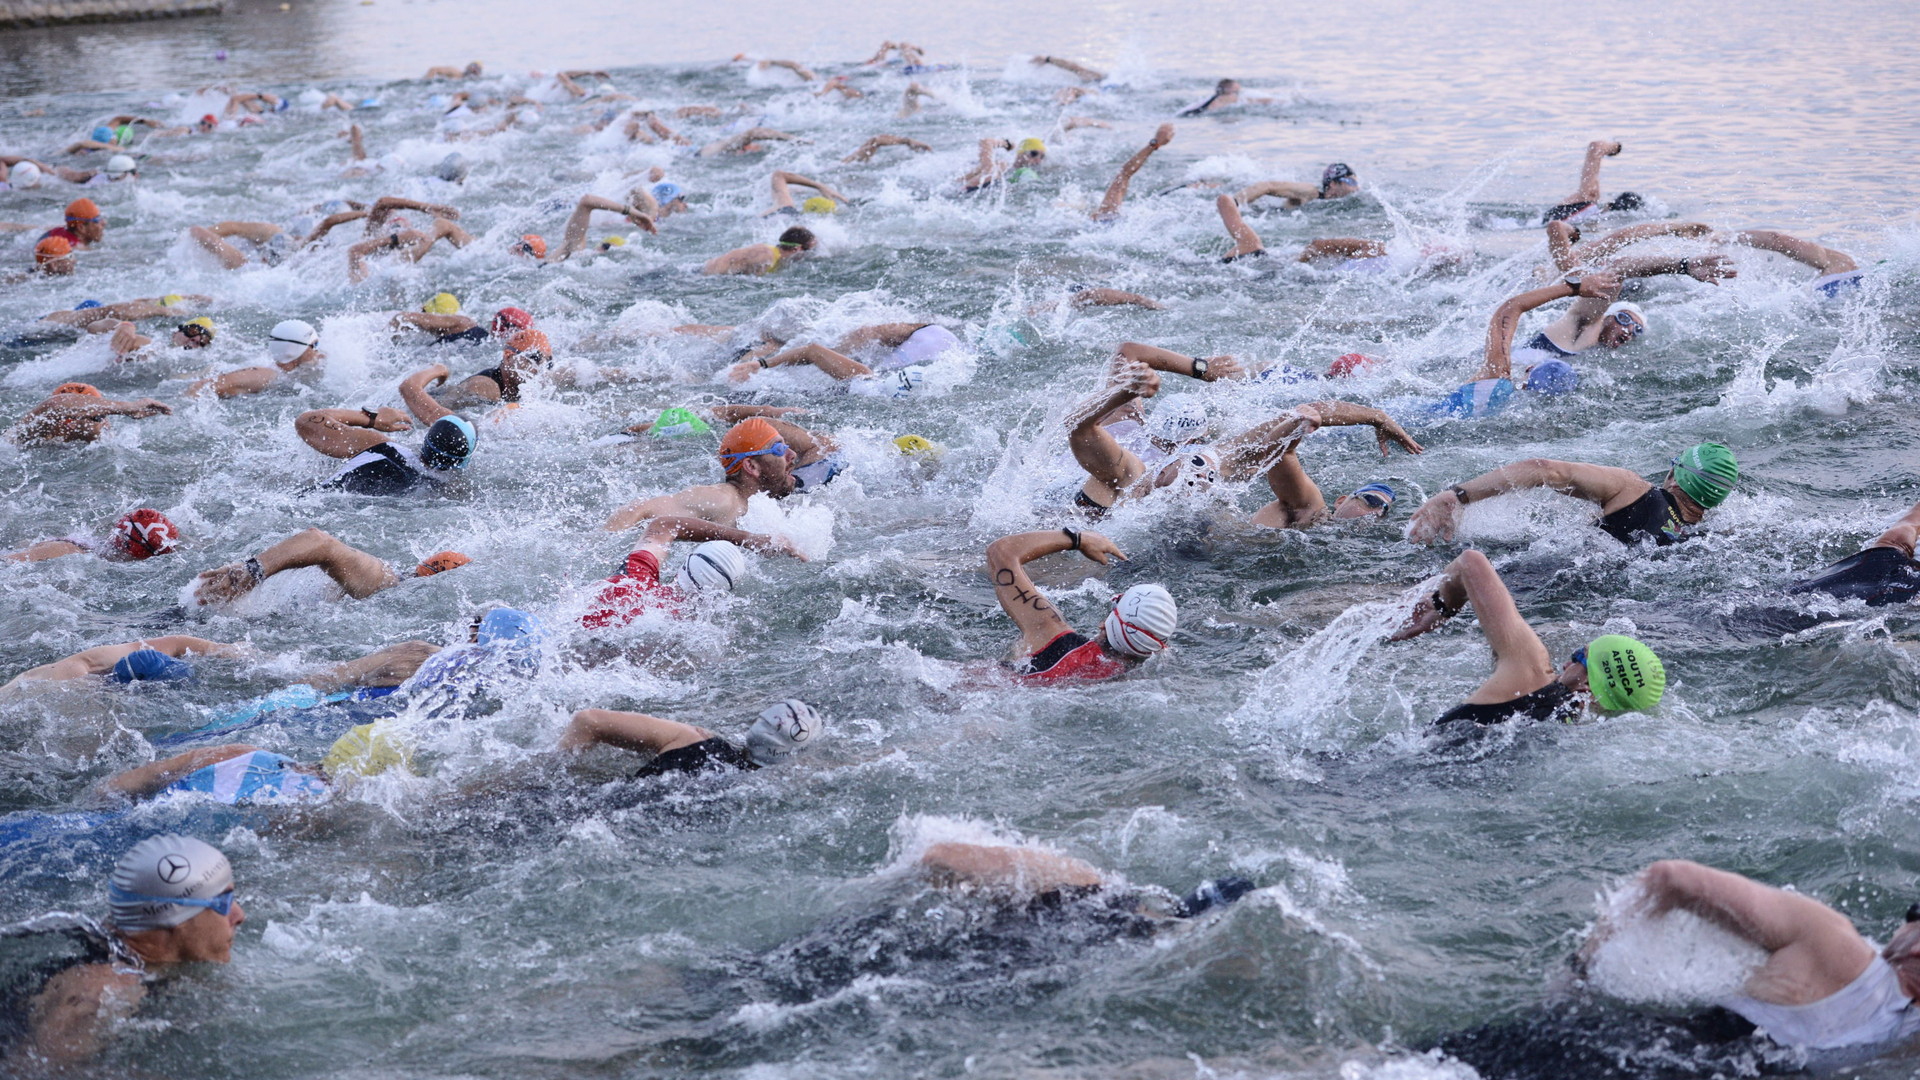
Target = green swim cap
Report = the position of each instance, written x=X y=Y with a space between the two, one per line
x=1707 y=473
x=1624 y=675
x=1021 y=173
x=676 y=421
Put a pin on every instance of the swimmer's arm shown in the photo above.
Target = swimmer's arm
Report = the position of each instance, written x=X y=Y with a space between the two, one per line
x=1081 y=70
x=1347 y=414
x=1609 y=487
x=679 y=503
x=1900 y=536
x=343 y=433
x=1113 y=298
x=875 y=144
x=1498 y=364
x=1711 y=269
x=751 y=259
x=1771 y=918
x=1292 y=192
x=663 y=531
x=1620 y=238
x=1560 y=246
x=782 y=179
x=386 y=204
x=433 y=324
x=835 y=364
x=414 y=392
x=46 y=549
x=1597 y=152
x=84 y=145
x=1218 y=367
x=150 y=779
x=1094 y=448
x=576 y=232
x=891 y=335
x=733 y=414
x=60 y=409
x=328 y=224
x=70 y=1019
x=950 y=864
x=629 y=731
x=389 y=666
x=1261 y=448
x=1039 y=621
x=258 y=232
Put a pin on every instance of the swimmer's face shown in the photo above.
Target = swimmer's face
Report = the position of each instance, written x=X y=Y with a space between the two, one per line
x=59 y=267
x=1574 y=677
x=89 y=232
x=1905 y=944
x=1340 y=189
x=208 y=936
x=1032 y=158
x=773 y=474
x=1620 y=328
x=1348 y=507
x=184 y=340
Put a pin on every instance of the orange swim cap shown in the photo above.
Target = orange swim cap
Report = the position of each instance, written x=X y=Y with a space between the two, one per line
x=748 y=438
x=83 y=210
x=49 y=249
x=527 y=341
x=77 y=388
x=534 y=245
x=440 y=563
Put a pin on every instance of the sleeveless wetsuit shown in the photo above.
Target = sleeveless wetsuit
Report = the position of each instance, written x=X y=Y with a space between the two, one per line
x=256 y=776
x=1652 y=516
x=385 y=469
x=1870 y=1009
x=471 y=333
x=1551 y=702
x=1070 y=656
x=1573 y=211
x=707 y=755
x=1878 y=575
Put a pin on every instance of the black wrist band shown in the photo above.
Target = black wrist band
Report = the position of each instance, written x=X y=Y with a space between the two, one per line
x=763 y=361
x=1460 y=493
x=373 y=417
x=1073 y=537
x=254 y=571
x=1440 y=605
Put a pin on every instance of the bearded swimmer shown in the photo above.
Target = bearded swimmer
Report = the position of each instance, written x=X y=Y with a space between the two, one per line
x=759 y=455
x=1140 y=624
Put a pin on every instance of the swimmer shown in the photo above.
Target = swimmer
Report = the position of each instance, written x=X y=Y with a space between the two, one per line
x=647 y=127
x=1078 y=71
x=1611 y=674
x=776 y=735
x=76 y=412
x=1337 y=181
x=1113 y=470
x=910 y=54
x=880 y=142
x=793 y=245
x=94 y=317
x=1274 y=448
x=1632 y=510
x=1140 y=624
x=1029 y=155
x=806 y=74
x=759 y=455
x=358 y=574
x=751 y=141
x=1109 y=207
x=172 y=903
x=1585 y=201
x=1589 y=322
x=838 y=84
x=83 y=225
x=910 y=100
x=660 y=200
x=471 y=71
x=715 y=566
x=827 y=200
x=410 y=244
x=525 y=355
x=53 y=257
x=255 y=103
x=195 y=333
x=1822 y=985
x=891 y=347
x=160 y=659
x=575 y=236
x=1884 y=572
x=1226 y=93
x=272 y=243
x=374 y=465
x=1838 y=271
x=292 y=344
x=138 y=535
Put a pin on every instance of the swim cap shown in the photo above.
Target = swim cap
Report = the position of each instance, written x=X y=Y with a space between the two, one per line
x=364 y=752
x=715 y=565
x=748 y=438
x=24 y=175
x=86 y=304
x=442 y=303
x=202 y=322
x=1377 y=495
x=160 y=869
x=49 y=249
x=509 y=624
x=819 y=204
x=1197 y=472
x=1553 y=377
x=1353 y=363
x=1141 y=621
x=1624 y=675
x=614 y=241
x=665 y=192
x=534 y=245
x=1031 y=144
x=83 y=210
x=914 y=445
x=1627 y=200
x=171 y=299
x=144 y=533
x=781 y=729
x=289 y=338
x=123 y=134
x=77 y=388
x=527 y=341
x=103 y=133
x=1179 y=420
x=1631 y=309
x=1707 y=473
x=1337 y=173
x=453 y=168
x=150 y=665
x=511 y=318
x=676 y=421
x=120 y=165
x=210 y=120
x=440 y=563
x=449 y=444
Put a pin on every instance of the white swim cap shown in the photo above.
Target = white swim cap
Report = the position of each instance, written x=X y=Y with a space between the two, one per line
x=25 y=175
x=715 y=565
x=161 y=869
x=781 y=729
x=1631 y=309
x=1142 y=620
x=1196 y=471
x=905 y=382
x=290 y=338
x=120 y=165
x=1178 y=421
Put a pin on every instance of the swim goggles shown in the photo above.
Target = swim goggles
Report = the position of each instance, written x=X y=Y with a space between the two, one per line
x=1580 y=656
x=84 y=220
x=1720 y=482
x=198 y=334
x=220 y=905
x=778 y=449
x=1633 y=325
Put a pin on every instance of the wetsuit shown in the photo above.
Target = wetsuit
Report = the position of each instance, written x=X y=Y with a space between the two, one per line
x=256 y=776
x=1071 y=656
x=60 y=949
x=384 y=469
x=1551 y=702
x=1573 y=211
x=1878 y=576
x=635 y=589
x=708 y=755
x=470 y=334
x=1652 y=516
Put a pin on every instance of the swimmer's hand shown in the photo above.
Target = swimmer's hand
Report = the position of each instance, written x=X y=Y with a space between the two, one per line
x=1161 y=137
x=146 y=407
x=1426 y=615
x=388 y=419
x=1436 y=519
x=1712 y=269
x=1605 y=146
x=1223 y=367
x=744 y=370
x=1601 y=285
x=1100 y=549
x=772 y=545
x=640 y=218
x=1134 y=377
x=223 y=584
x=431 y=375
x=1387 y=431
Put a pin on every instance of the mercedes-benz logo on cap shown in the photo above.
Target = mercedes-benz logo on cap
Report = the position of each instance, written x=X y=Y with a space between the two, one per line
x=172 y=868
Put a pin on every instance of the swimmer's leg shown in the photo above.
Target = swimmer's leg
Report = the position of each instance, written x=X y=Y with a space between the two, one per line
x=1117 y=191
x=1245 y=240
x=1824 y=259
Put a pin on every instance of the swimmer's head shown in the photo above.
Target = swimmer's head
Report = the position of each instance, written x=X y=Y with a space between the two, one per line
x=144 y=533
x=1192 y=473
x=171 y=299
x=608 y=243
x=87 y=305
x=505 y=624
x=1627 y=200
x=24 y=175
x=752 y=450
x=471 y=70
x=77 y=388
x=796 y=240
x=453 y=168
x=1031 y=151
x=1622 y=323
x=715 y=566
x=440 y=563
x=441 y=303
x=449 y=444
x=208 y=122
x=677 y=421
x=103 y=134
x=530 y=343
x=666 y=192
x=53 y=255
x=291 y=339
x=1226 y=86
x=1338 y=180
x=1141 y=622
x=1622 y=674
x=85 y=220
x=121 y=166
x=1350 y=365
x=783 y=729
x=1177 y=422
x=195 y=333
x=167 y=881
x=150 y=665
x=916 y=446
x=510 y=319
x=1552 y=377
x=532 y=245
x=820 y=204
x=1706 y=473
x=1368 y=500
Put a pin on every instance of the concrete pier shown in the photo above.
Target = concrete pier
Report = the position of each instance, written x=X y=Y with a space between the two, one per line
x=15 y=14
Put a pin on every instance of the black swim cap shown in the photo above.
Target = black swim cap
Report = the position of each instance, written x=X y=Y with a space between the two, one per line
x=449 y=444
x=1627 y=200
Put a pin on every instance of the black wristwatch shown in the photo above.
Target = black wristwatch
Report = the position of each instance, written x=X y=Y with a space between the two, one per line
x=373 y=417
x=1199 y=367
x=1572 y=283
x=1460 y=493
x=1073 y=537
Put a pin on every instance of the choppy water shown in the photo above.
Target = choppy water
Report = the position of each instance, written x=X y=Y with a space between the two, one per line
x=438 y=927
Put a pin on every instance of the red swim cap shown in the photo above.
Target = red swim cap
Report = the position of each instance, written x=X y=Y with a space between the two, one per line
x=1346 y=367
x=440 y=563
x=145 y=533
x=78 y=388
x=533 y=245
x=83 y=210
x=511 y=318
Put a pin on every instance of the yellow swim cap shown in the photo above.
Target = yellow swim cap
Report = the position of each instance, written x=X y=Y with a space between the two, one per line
x=914 y=445
x=1032 y=144
x=171 y=299
x=820 y=204
x=442 y=303
x=204 y=323
x=362 y=752
x=613 y=242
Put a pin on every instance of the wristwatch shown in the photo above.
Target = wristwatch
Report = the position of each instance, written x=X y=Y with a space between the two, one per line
x=1199 y=367
x=1574 y=284
x=1460 y=493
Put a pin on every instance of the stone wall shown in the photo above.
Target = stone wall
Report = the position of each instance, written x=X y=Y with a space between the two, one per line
x=18 y=13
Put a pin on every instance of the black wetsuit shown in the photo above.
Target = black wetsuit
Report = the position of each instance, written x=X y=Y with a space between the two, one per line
x=1878 y=576
x=1551 y=702
x=1652 y=516
x=384 y=469
x=708 y=755
x=506 y=393
x=470 y=334
x=31 y=960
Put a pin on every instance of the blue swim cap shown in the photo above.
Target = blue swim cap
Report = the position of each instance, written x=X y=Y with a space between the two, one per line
x=150 y=665
x=1480 y=398
x=1553 y=377
x=85 y=304
x=368 y=103
x=1378 y=490
x=666 y=191
x=103 y=133
x=449 y=444
x=509 y=624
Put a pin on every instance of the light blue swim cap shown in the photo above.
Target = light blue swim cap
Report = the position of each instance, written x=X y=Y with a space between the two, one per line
x=509 y=624
x=666 y=191
x=103 y=133
x=1553 y=377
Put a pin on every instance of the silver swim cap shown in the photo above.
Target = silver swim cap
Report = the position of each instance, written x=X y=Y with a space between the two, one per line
x=781 y=729
x=159 y=870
